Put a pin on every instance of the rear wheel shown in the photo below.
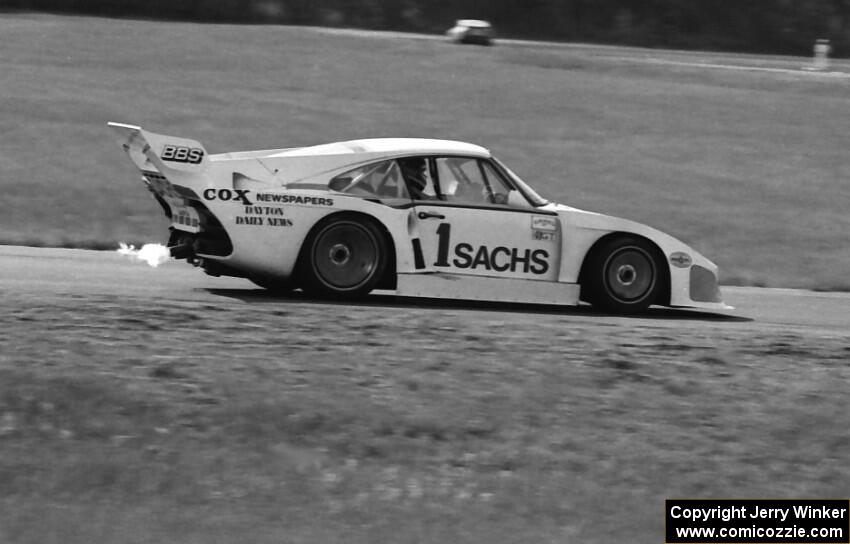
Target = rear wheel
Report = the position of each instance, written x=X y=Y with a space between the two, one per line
x=345 y=255
x=623 y=276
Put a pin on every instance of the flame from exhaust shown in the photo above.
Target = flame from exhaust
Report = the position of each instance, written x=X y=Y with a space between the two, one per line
x=153 y=254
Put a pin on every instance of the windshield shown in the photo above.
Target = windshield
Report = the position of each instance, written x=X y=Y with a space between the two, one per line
x=529 y=193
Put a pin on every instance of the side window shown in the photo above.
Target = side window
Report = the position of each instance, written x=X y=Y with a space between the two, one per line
x=382 y=179
x=501 y=191
x=462 y=181
x=472 y=181
x=418 y=177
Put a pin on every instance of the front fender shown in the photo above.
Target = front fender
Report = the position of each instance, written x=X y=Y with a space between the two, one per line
x=693 y=277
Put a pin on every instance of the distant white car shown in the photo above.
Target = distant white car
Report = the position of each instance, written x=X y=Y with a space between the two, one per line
x=471 y=31
x=427 y=218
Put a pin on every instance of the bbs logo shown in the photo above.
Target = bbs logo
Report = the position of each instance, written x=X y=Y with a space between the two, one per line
x=179 y=153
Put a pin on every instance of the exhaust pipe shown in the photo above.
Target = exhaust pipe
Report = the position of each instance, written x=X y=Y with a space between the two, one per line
x=183 y=249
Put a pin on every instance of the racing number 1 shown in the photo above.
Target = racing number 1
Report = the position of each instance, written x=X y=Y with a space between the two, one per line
x=443 y=233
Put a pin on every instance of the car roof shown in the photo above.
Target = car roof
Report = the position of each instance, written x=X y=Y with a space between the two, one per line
x=389 y=147
x=472 y=22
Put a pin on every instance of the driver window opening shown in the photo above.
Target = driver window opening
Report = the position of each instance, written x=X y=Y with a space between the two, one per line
x=417 y=174
x=467 y=180
x=462 y=181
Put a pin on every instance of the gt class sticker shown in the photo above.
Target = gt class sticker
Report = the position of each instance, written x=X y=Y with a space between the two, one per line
x=499 y=259
x=543 y=228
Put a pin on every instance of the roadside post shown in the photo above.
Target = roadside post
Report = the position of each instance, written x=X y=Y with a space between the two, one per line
x=821 y=59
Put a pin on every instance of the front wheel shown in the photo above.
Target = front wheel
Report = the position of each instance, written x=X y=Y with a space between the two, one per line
x=623 y=276
x=344 y=256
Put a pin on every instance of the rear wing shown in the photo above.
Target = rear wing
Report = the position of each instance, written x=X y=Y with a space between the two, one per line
x=174 y=170
x=173 y=157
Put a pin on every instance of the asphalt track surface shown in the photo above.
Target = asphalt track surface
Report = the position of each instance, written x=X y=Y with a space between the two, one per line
x=42 y=273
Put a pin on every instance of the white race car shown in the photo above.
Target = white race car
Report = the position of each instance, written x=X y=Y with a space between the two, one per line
x=429 y=218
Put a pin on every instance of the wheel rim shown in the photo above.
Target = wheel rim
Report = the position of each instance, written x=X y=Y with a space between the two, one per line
x=345 y=255
x=630 y=275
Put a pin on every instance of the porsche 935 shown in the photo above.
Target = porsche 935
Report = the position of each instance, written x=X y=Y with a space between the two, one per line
x=422 y=217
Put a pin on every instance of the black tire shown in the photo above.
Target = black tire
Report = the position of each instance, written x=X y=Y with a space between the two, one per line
x=344 y=256
x=623 y=276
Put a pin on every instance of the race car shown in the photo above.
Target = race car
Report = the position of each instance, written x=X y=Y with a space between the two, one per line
x=471 y=31
x=423 y=217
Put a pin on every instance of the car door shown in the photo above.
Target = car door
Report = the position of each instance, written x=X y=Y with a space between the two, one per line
x=479 y=225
